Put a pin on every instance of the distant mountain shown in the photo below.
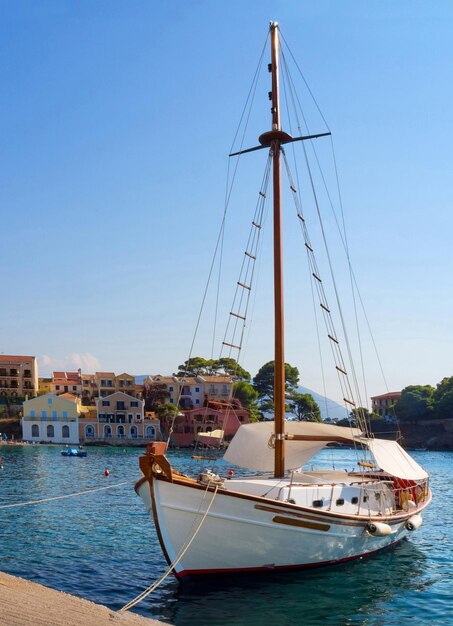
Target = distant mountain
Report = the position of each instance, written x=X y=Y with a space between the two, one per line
x=140 y=378
x=328 y=407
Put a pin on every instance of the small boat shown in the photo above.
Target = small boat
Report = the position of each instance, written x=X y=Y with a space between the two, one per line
x=73 y=452
x=277 y=515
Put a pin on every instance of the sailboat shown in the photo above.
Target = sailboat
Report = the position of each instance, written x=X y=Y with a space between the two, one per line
x=279 y=515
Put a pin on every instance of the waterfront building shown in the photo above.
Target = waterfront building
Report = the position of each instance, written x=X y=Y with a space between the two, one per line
x=118 y=417
x=51 y=418
x=215 y=416
x=44 y=386
x=89 y=389
x=125 y=382
x=67 y=382
x=384 y=404
x=105 y=383
x=18 y=376
x=194 y=391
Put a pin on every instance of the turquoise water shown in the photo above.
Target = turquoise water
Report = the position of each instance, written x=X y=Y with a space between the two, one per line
x=102 y=546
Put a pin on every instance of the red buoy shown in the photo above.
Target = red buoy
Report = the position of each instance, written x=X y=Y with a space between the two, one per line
x=230 y=473
x=106 y=473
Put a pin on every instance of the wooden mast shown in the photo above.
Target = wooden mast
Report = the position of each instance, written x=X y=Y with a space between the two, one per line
x=279 y=372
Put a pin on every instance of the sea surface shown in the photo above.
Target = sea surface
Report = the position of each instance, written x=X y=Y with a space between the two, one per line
x=103 y=546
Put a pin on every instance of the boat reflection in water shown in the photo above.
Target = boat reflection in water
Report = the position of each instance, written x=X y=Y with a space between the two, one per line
x=367 y=592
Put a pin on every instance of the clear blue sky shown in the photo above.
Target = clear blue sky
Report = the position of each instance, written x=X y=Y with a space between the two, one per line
x=116 y=119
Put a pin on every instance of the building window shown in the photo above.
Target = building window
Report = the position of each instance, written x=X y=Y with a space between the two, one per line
x=134 y=405
x=65 y=431
x=50 y=431
x=32 y=413
x=105 y=402
x=74 y=388
x=129 y=418
x=170 y=389
x=120 y=431
x=54 y=414
x=197 y=389
x=35 y=430
x=107 y=431
x=171 y=401
x=150 y=432
x=197 y=401
x=43 y=413
x=138 y=417
x=64 y=414
x=89 y=431
x=57 y=387
x=49 y=400
x=134 y=432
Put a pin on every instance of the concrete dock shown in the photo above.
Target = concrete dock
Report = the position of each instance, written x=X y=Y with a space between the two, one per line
x=23 y=603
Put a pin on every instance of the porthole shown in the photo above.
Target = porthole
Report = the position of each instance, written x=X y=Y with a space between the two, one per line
x=317 y=503
x=355 y=500
x=340 y=502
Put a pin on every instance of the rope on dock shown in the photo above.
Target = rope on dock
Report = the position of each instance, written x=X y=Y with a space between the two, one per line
x=69 y=495
x=179 y=556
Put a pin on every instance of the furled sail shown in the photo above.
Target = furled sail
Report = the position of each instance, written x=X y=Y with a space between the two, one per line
x=391 y=458
x=251 y=446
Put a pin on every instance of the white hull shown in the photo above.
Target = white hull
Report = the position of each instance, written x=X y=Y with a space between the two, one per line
x=249 y=533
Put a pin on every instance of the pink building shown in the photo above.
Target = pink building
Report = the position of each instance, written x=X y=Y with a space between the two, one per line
x=216 y=416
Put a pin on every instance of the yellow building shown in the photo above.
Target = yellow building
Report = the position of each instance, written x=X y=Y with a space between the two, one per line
x=52 y=419
x=44 y=386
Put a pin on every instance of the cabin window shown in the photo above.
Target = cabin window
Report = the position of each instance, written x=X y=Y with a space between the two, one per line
x=365 y=498
x=377 y=496
x=354 y=500
x=317 y=503
x=340 y=502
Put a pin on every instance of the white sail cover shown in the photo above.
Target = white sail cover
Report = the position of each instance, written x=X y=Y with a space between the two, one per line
x=391 y=458
x=250 y=446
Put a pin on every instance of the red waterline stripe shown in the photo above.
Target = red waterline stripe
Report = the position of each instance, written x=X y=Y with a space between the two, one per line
x=245 y=570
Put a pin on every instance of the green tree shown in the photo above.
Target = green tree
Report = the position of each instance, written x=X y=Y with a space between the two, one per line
x=231 y=366
x=154 y=394
x=199 y=366
x=247 y=396
x=304 y=407
x=264 y=383
x=443 y=408
x=416 y=403
x=195 y=366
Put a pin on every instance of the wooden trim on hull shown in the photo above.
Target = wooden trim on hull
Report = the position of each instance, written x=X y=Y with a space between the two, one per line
x=186 y=575
x=321 y=516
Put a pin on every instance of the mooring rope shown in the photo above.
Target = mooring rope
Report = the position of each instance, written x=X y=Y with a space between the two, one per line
x=179 y=556
x=69 y=495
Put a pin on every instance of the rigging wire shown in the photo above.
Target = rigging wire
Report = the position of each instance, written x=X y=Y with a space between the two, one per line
x=342 y=231
x=295 y=108
x=245 y=116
